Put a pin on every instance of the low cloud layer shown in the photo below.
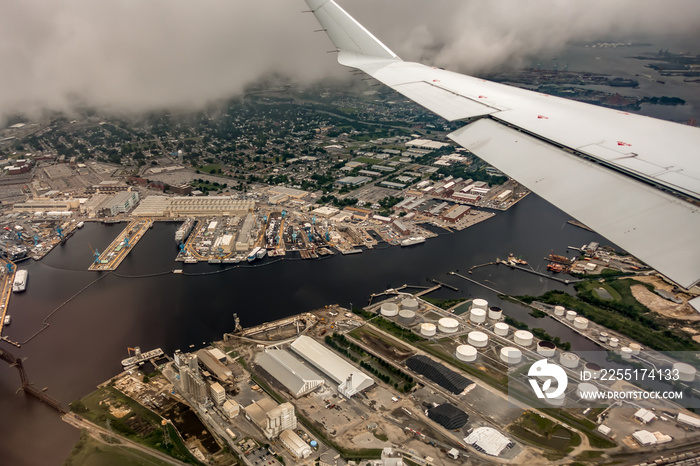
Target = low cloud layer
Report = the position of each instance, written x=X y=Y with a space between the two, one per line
x=136 y=55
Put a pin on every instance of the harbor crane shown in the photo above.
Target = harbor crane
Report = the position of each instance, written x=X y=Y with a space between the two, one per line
x=59 y=231
x=126 y=242
x=36 y=240
x=284 y=213
x=95 y=253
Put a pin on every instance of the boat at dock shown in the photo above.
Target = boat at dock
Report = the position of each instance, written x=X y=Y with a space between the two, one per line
x=253 y=254
x=20 y=283
x=413 y=240
x=8 y=319
x=261 y=253
x=184 y=231
x=140 y=357
x=80 y=224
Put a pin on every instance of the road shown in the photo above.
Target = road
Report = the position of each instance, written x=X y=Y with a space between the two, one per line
x=99 y=434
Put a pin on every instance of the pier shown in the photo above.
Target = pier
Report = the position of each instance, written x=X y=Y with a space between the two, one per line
x=27 y=386
x=117 y=251
x=566 y=281
x=5 y=291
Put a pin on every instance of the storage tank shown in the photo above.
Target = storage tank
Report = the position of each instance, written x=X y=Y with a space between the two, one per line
x=479 y=303
x=511 y=355
x=686 y=372
x=546 y=349
x=587 y=392
x=501 y=328
x=593 y=370
x=478 y=316
x=636 y=348
x=448 y=325
x=626 y=352
x=559 y=310
x=569 y=360
x=613 y=342
x=477 y=339
x=410 y=304
x=557 y=401
x=603 y=336
x=522 y=337
x=389 y=309
x=427 y=329
x=406 y=317
x=581 y=323
x=495 y=313
x=466 y=353
x=571 y=315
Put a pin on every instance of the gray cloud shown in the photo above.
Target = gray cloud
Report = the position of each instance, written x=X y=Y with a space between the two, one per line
x=136 y=55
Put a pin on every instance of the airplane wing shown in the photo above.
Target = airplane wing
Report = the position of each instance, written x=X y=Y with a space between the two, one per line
x=633 y=179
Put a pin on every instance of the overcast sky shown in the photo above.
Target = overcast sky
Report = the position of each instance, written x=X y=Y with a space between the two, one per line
x=136 y=55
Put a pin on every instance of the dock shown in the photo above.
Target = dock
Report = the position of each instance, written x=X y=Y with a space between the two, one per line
x=6 y=282
x=140 y=357
x=566 y=281
x=117 y=251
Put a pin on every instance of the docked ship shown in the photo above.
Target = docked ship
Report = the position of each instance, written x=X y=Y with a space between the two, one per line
x=20 y=281
x=8 y=319
x=80 y=224
x=413 y=240
x=254 y=254
x=184 y=231
x=261 y=253
x=140 y=357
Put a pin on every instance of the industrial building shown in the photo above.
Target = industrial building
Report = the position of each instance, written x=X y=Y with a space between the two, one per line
x=214 y=366
x=45 y=205
x=244 y=241
x=218 y=394
x=488 y=440
x=295 y=445
x=352 y=181
x=272 y=418
x=120 y=203
x=186 y=206
x=350 y=379
x=441 y=375
x=191 y=381
x=296 y=377
x=448 y=416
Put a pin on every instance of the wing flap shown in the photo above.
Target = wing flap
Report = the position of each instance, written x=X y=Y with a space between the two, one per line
x=656 y=227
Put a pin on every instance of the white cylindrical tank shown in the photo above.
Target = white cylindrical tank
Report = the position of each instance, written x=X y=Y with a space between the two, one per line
x=593 y=370
x=626 y=352
x=410 y=304
x=613 y=342
x=495 y=313
x=571 y=315
x=137 y=352
x=478 y=316
x=501 y=328
x=522 y=337
x=448 y=325
x=546 y=349
x=406 y=317
x=479 y=303
x=559 y=310
x=466 y=353
x=389 y=309
x=427 y=329
x=581 y=323
x=477 y=339
x=603 y=336
x=686 y=372
x=569 y=360
x=636 y=348
x=557 y=401
x=511 y=355
x=587 y=392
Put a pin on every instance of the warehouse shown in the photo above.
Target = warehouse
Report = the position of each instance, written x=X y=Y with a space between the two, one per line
x=488 y=440
x=448 y=416
x=295 y=445
x=214 y=366
x=350 y=379
x=272 y=418
x=296 y=377
x=441 y=375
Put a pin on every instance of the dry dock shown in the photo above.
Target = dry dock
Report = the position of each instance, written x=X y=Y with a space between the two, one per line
x=122 y=244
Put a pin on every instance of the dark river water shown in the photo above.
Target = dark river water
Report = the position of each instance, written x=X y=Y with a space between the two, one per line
x=88 y=337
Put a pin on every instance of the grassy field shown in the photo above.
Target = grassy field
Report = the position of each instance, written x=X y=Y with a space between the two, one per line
x=90 y=452
x=130 y=419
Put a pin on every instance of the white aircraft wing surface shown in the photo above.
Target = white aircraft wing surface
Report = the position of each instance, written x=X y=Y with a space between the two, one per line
x=633 y=179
